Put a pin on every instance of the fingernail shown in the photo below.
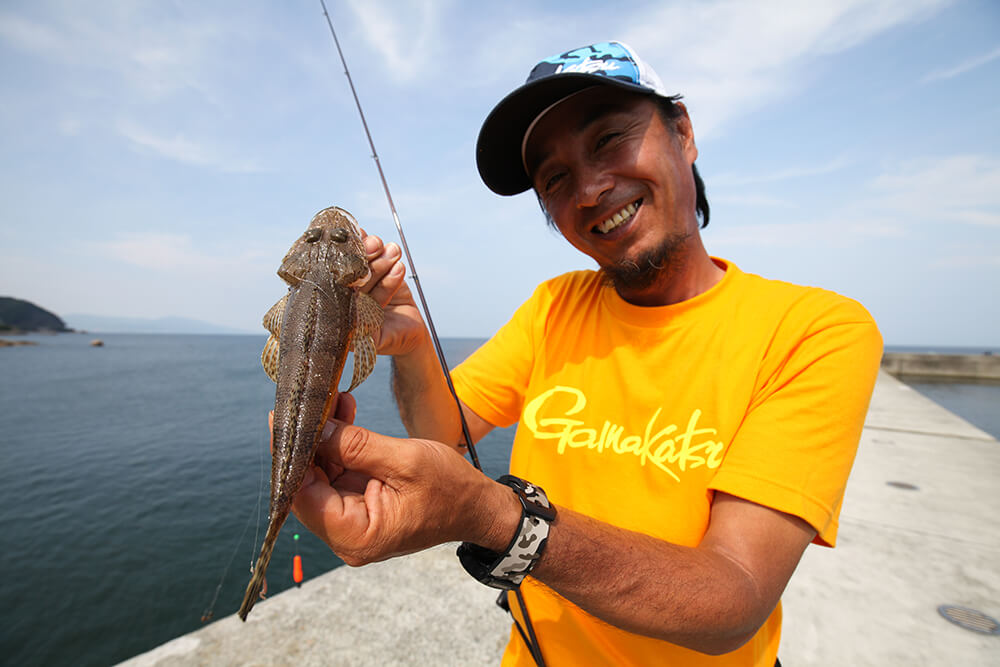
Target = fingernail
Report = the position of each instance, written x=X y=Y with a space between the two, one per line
x=372 y=244
x=309 y=478
x=328 y=430
x=392 y=250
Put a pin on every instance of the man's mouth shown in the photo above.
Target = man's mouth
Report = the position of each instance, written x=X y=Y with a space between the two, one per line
x=618 y=218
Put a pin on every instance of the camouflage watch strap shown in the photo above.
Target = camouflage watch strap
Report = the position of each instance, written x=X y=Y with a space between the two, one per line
x=508 y=569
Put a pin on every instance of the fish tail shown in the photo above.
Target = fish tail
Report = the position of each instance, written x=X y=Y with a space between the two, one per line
x=256 y=584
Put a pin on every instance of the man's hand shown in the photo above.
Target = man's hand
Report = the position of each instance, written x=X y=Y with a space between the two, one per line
x=403 y=329
x=372 y=497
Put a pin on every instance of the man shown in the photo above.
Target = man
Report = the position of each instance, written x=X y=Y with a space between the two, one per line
x=692 y=426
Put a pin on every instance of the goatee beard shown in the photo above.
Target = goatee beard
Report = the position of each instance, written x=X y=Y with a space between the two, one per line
x=652 y=266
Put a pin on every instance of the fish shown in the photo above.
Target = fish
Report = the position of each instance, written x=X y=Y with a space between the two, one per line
x=312 y=327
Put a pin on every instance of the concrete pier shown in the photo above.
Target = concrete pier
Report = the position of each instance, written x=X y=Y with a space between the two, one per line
x=873 y=600
x=944 y=366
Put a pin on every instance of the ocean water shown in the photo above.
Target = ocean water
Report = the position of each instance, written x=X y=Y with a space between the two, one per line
x=978 y=402
x=131 y=478
x=135 y=481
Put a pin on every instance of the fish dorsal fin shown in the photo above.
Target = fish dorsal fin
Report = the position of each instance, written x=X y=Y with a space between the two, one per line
x=367 y=323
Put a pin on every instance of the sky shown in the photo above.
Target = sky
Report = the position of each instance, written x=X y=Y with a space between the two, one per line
x=158 y=158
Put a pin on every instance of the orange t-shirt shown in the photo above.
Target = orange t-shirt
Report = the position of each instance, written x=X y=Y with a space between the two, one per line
x=636 y=415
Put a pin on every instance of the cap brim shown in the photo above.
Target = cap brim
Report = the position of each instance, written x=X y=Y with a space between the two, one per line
x=498 y=149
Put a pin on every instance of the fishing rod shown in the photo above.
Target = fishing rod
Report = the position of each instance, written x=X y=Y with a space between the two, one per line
x=530 y=639
x=406 y=251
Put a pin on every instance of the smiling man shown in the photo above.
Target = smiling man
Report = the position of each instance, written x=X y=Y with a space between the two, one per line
x=685 y=429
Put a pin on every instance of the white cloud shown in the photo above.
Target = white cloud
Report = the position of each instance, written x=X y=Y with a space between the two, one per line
x=751 y=200
x=967 y=261
x=731 y=57
x=153 y=54
x=181 y=253
x=961 y=68
x=404 y=35
x=28 y=35
x=69 y=126
x=789 y=173
x=830 y=232
x=906 y=195
x=958 y=188
x=182 y=149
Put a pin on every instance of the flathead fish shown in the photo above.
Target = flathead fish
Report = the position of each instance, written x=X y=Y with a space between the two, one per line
x=312 y=328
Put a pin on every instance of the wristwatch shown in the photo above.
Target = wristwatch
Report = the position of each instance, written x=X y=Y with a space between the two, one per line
x=506 y=570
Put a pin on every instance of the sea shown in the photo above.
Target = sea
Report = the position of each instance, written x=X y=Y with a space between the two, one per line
x=134 y=484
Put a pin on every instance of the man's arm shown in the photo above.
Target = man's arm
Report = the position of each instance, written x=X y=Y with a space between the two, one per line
x=425 y=403
x=375 y=497
x=711 y=598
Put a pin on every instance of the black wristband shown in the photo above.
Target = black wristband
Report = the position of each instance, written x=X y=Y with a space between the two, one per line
x=506 y=570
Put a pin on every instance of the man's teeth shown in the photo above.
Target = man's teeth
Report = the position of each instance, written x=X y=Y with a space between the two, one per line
x=618 y=218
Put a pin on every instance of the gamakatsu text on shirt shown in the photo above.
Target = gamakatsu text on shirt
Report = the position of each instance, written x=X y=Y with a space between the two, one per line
x=670 y=449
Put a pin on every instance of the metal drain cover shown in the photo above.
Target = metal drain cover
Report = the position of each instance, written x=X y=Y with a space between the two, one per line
x=970 y=619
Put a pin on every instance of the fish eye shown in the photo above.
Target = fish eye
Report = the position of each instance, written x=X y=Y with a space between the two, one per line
x=312 y=235
x=339 y=235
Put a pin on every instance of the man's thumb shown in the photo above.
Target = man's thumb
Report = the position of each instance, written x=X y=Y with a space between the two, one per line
x=359 y=449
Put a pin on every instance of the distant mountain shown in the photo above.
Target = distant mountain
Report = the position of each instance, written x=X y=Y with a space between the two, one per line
x=19 y=315
x=162 y=325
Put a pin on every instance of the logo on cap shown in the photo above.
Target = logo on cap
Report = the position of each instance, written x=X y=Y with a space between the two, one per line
x=610 y=59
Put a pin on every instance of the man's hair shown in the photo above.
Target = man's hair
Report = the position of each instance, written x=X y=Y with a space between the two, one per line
x=669 y=113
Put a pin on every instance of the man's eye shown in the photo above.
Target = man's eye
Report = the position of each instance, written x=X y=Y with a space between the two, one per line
x=552 y=181
x=605 y=138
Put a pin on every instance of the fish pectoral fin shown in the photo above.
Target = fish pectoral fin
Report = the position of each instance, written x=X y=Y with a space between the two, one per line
x=269 y=357
x=272 y=322
x=367 y=324
x=272 y=319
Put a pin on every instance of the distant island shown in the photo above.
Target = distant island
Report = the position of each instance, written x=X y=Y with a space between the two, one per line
x=19 y=316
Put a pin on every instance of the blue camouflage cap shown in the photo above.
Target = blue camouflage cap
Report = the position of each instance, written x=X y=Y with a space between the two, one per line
x=500 y=145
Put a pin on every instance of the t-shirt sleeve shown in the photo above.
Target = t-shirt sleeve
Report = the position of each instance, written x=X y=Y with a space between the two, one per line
x=493 y=379
x=797 y=443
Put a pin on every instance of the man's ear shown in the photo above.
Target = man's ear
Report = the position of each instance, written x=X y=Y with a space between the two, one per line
x=684 y=132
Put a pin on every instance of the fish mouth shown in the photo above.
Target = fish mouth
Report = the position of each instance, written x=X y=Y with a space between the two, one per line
x=362 y=280
x=619 y=218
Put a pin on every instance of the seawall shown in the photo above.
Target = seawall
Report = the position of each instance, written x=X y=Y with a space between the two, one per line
x=920 y=528
x=945 y=366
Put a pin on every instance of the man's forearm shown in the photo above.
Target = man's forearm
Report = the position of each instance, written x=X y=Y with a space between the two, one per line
x=712 y=598
x=688 y=596
x=425 y=404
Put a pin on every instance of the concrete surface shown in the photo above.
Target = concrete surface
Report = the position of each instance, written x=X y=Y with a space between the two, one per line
x=871 y=601
x=952 y=366
x=901 y=553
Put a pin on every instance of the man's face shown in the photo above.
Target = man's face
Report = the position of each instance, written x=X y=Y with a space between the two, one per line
x=617 y=182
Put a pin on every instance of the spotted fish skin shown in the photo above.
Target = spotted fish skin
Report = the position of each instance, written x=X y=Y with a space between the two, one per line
x=312 y=328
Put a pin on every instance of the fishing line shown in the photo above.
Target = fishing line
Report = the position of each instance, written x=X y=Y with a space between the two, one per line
x=406 y=250
x=210 y=609
x=530 y=639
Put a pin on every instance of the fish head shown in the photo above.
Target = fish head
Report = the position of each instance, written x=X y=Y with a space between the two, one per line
x=332 y=243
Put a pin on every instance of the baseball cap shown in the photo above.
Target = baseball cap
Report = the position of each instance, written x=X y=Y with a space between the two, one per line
x=499 y=148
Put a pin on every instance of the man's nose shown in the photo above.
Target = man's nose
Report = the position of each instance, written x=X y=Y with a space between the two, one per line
x=592 y=182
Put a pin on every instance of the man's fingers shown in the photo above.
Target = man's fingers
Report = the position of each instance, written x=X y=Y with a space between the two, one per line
x=347 y=408
x=385 y=261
